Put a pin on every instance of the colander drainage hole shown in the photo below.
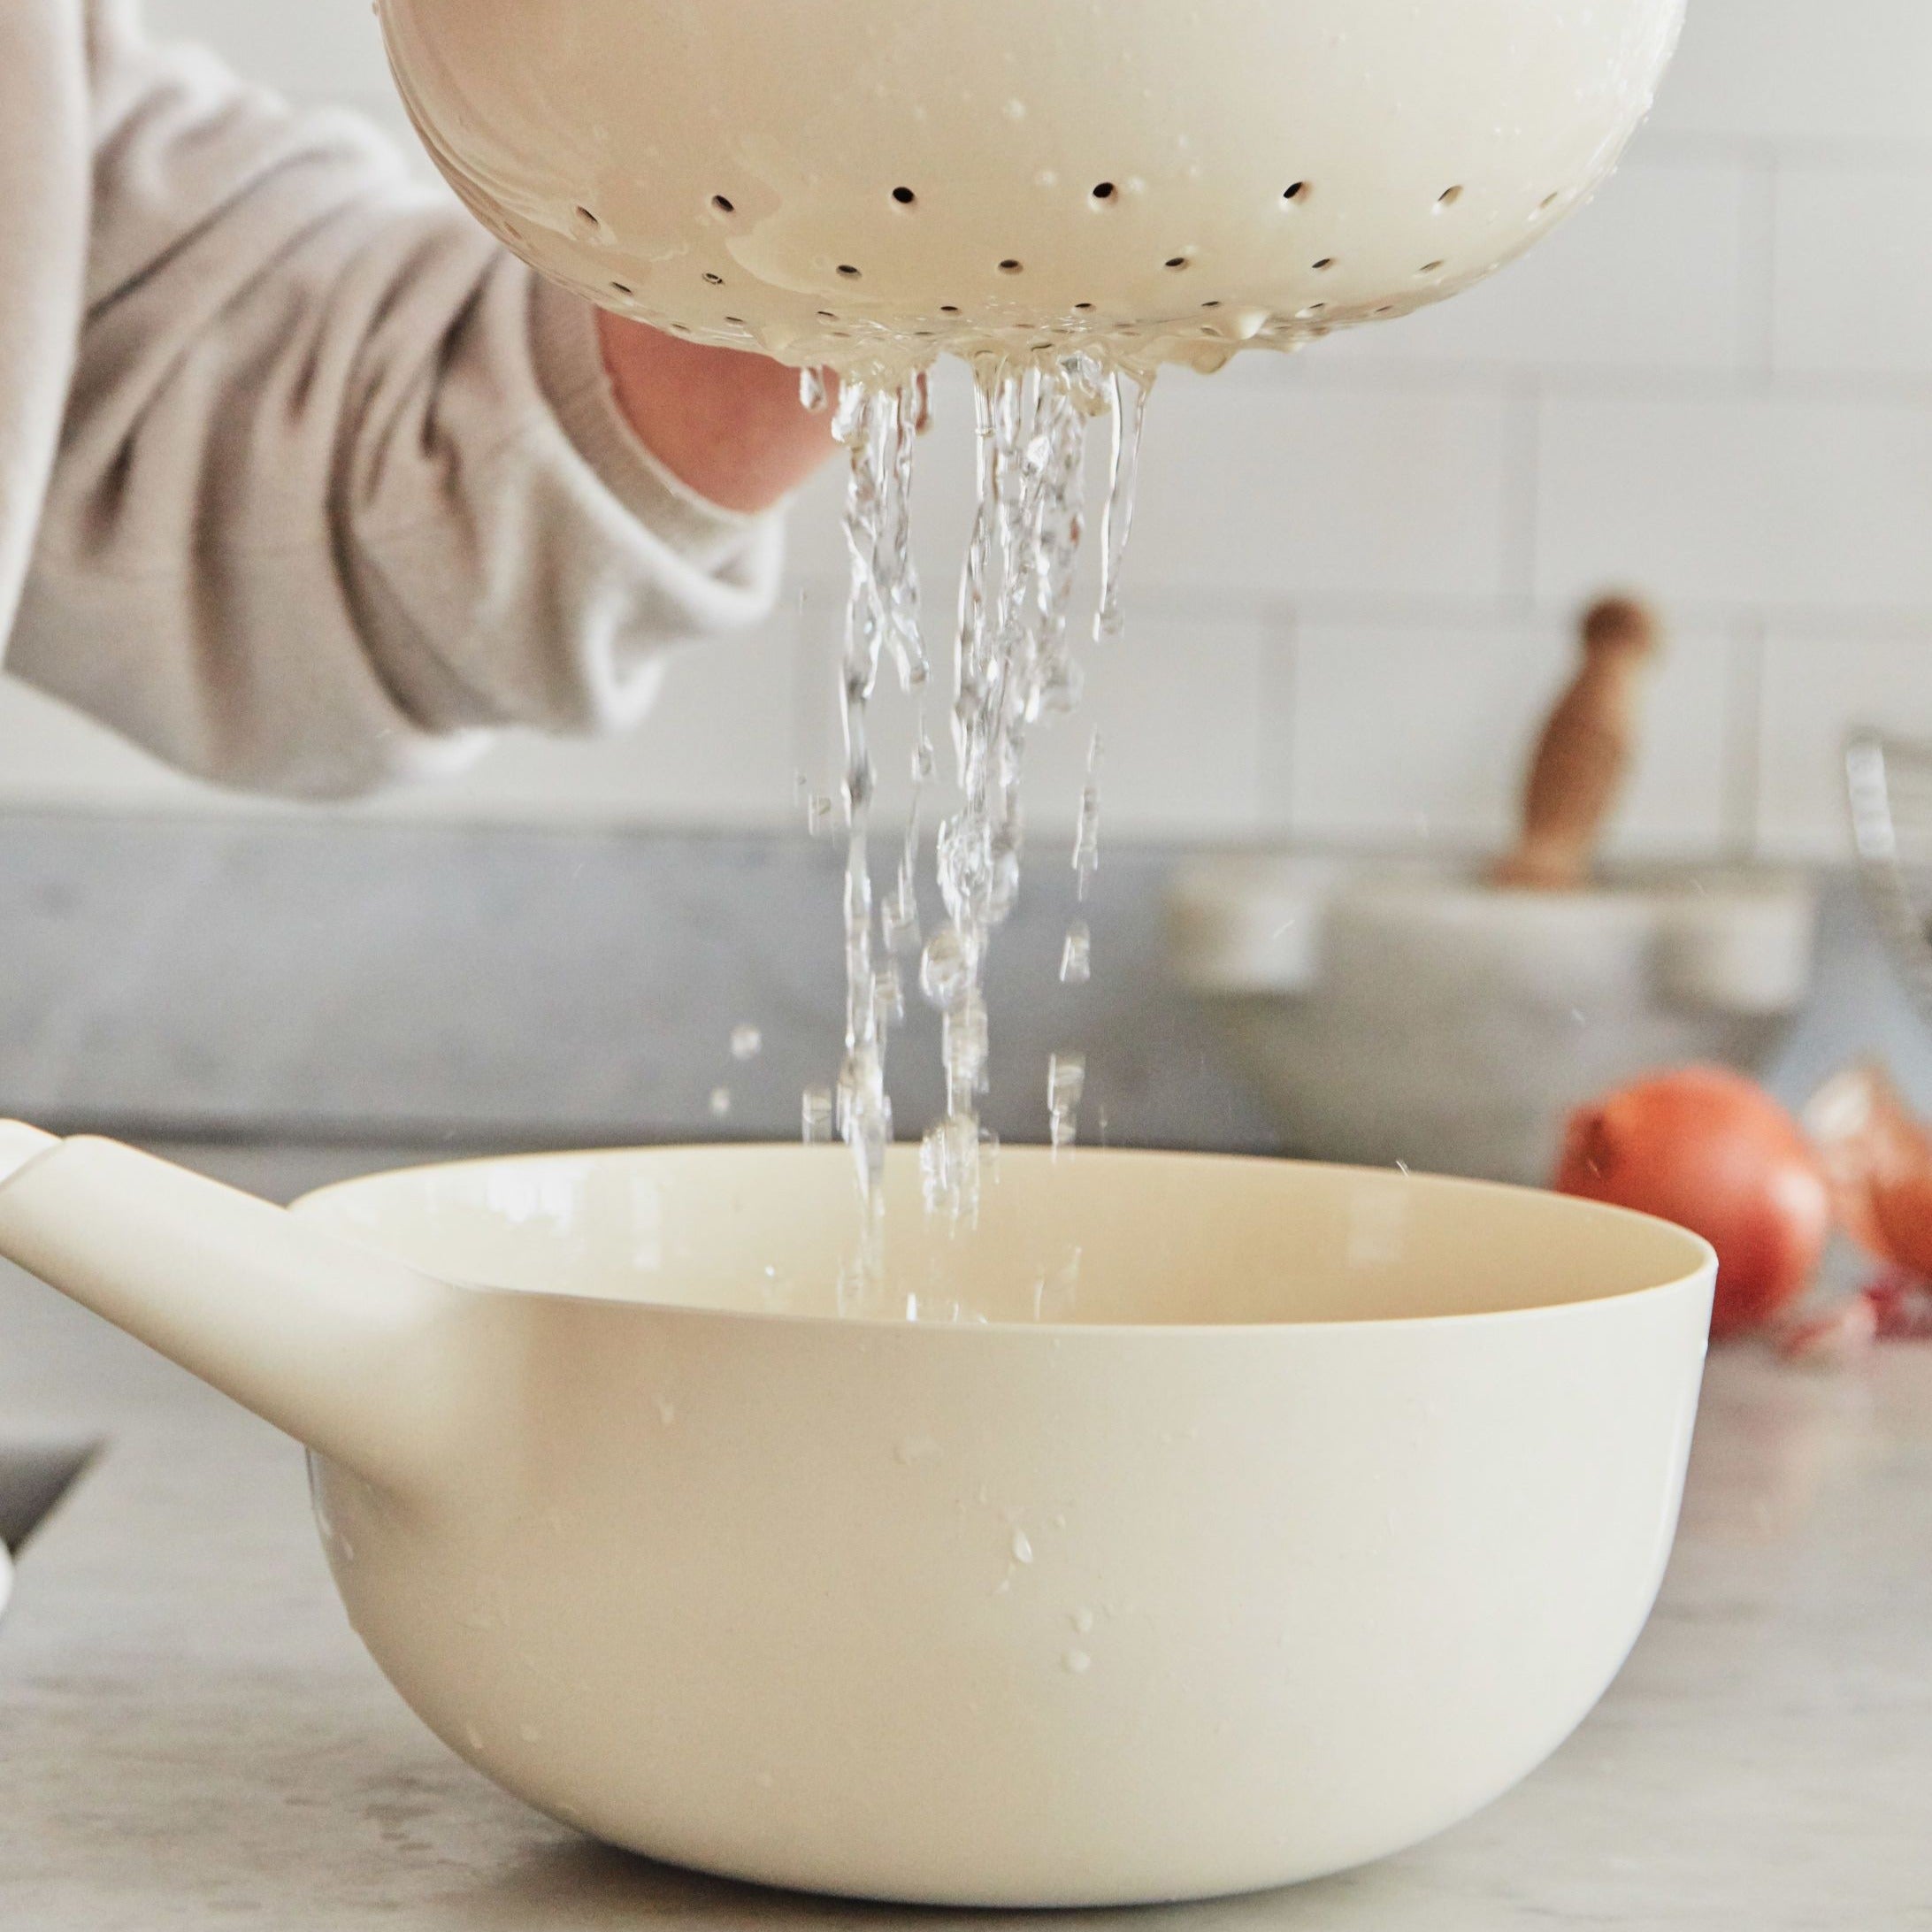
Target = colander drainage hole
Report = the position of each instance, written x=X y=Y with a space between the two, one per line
x=717 y=282
x=849 y=271
x=1325 y=264
x=1449 y=196
x=1177 y=261
x=1548 y=202
x=1428 y=268
x=1084 y=308
x=1104 y=191
x=1294 y=191
x=904 y=196
x=825 y=315
x=587 y=225
x=1210 y=304
x=948 y=308
x=1011 y=268
x=724 y=204
x=622 y=288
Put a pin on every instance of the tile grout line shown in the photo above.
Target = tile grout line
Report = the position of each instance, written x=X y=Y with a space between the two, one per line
x=1758 y=278
x=1744 y=725
x=1280 y=692
x=1521 y=492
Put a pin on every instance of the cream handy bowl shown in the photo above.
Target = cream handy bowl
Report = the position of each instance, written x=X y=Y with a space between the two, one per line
x=1279 y=1516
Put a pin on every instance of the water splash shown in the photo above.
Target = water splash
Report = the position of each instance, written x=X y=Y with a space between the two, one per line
x=878 y=428
x=1015 y=666
x=1130 y=417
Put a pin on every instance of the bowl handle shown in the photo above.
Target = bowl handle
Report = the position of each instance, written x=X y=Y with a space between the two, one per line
x=350 y=1352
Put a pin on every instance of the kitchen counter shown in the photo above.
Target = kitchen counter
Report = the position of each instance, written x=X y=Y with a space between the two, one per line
x=193 y=1737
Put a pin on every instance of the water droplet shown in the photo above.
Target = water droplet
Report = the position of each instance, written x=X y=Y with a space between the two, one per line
x=1076 y=1663
x=472 y=1736
x=813 y=394
x=817 y=1115
x=720 y=1102
x=1076 y=957
x=746 y=1042
x=1066 y=1084
x=1022 y=1547
x=888 y=995
x=944 y=975
x=1083 y=1622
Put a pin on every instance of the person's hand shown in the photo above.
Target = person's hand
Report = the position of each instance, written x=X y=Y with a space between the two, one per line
x=728 y=424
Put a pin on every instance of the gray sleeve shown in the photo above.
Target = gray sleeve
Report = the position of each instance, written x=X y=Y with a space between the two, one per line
x=341 y=486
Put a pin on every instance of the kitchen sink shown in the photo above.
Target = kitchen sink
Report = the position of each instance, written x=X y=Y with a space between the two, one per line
x=33 y=1476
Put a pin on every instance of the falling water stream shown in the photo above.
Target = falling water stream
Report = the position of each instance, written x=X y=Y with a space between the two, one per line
x=1014 y=665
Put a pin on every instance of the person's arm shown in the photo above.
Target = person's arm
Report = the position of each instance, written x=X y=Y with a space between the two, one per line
x=341 y=486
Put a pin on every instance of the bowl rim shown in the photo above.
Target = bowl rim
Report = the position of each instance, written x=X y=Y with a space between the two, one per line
x=1699 y=1274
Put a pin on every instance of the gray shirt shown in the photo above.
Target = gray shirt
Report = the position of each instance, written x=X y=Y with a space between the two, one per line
x=304 y=485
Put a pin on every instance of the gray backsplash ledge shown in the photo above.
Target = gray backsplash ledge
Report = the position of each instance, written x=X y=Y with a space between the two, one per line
x=324 y=979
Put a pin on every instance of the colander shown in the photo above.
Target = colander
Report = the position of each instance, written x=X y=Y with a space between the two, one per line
x=1891 y=784
x=853 y=185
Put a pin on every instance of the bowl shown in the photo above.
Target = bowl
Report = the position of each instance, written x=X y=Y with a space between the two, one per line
x=1409 y=1013
x=1220 y=1523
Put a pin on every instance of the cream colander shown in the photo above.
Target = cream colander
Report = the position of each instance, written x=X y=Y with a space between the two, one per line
x=856 y=185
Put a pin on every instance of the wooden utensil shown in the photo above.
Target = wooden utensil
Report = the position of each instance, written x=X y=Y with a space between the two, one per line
x=1585 y=754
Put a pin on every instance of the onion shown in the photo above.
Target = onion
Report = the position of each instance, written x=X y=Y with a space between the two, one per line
x=1878 y=1160
x=1714 y=1153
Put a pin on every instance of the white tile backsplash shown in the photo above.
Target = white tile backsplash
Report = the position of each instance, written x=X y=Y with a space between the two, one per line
x=1852 y=72
x=314 y=50
x=1420 y=733
x=1290 y=488
x=1759 y=500
x=1854 y=270
x=1819 y=684
x=1649 y=275
x=1355 y=570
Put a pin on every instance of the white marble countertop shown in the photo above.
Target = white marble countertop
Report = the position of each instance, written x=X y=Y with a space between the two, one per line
x=191 y=1737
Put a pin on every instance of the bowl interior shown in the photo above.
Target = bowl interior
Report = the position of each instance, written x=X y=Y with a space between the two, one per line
x=1095 y=1238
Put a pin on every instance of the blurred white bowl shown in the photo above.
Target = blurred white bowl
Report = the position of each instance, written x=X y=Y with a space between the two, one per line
x=1409 y=1013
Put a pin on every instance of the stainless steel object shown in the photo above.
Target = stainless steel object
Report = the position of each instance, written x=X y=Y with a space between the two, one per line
x=1889 y=782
